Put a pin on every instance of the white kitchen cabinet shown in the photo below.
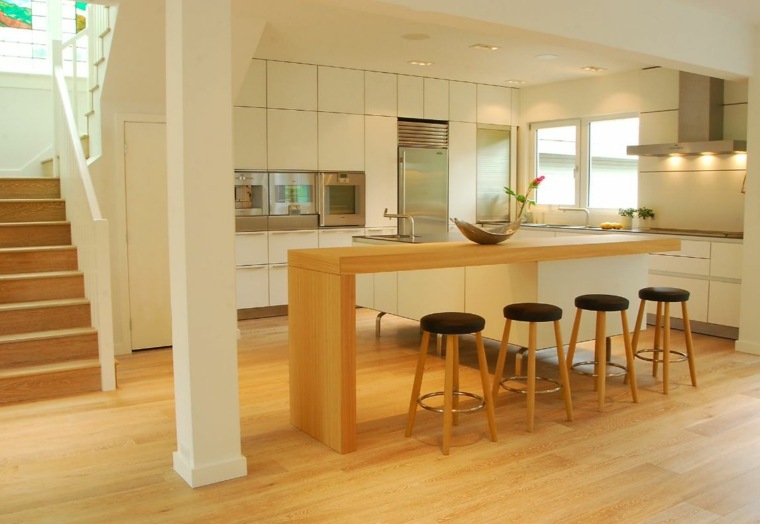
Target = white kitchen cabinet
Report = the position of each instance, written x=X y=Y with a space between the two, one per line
x=278 y=284
x=252 y=286
x=340 y=90
x=430 y=291
x=462 y=102
x=724 y=303
x=690 y=248
x=291 y=86
x=726 y=260
x=386 y=292
x=253 y=91
x=292 y=139
x=373 y=231
x=462 y=167
x=249 y=137
x=251 y=248
x=533 y=232
x=365 y=290
x=339 y=237
x=380 y=94
x=381 y=161
x=410 y=97
x=280 y=242
x=436 y=99
x=699 y=295
x=494 y=105
x=341 y=142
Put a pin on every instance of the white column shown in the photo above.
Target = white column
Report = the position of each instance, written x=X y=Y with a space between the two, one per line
x=201 y=241
x=749 y=327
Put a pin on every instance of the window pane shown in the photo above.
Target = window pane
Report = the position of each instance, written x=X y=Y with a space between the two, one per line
x=556 y=147
x=613 y=175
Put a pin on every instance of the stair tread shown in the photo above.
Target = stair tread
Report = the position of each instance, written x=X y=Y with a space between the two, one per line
x=42 y=335
x=58 y=367
x=40 y=274
x=43 y=303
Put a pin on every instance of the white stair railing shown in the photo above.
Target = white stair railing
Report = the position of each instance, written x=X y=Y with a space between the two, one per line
x=89 y=229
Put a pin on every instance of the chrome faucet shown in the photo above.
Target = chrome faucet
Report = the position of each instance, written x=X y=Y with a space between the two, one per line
x=579 y=209
x=408 y=217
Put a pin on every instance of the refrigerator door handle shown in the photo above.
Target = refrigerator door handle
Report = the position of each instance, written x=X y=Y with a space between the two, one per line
x=402 y=183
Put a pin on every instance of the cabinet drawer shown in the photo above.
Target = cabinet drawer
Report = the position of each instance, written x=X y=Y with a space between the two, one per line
x=338 y=237
x=691 y=248
x=725 y=298
x=676 y=264
x=280 y=242
x=698 y=299
x=252 y=286
x=278 y=285
x=251 y=248
x=726 y=260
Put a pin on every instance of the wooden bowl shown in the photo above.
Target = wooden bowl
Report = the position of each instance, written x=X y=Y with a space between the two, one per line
x=492 y=235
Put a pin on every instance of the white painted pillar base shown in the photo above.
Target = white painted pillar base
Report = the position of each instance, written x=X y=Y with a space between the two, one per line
x=202 y=241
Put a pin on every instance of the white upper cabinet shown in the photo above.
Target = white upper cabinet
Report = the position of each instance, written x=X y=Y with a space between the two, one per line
x=250 y=137
x=341 y=90
x=381 y=164
x=341 y=142
x=292 y=139
x=253 y=91
x=380 y=94
x=462 y=102
x=410 y=97
x=494 y=105
x=291 y=86
x=436 y=99
x=462 y=169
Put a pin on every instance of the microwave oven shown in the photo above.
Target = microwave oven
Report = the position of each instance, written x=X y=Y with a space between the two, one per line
x=341 y=198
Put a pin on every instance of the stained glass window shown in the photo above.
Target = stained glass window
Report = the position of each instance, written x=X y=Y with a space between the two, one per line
x=24 y=37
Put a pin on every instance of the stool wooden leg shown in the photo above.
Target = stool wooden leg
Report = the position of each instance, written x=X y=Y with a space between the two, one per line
x=689 y=344
x=666 y=350
x=574 y=337
x=657 y=339
x=453 y=341
x=501 y=360
x=630 y=360
x=531 y=377
x=518 y=360
x=637 y=328
x=563 y=372
x=483 y=365
x=448 y=396
x=601 y=361
x=417 y=382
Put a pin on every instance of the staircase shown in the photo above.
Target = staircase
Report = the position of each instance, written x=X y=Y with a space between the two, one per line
x=47 y=345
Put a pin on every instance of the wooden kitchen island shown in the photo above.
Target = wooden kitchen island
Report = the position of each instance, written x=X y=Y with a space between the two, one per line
x=322 y=302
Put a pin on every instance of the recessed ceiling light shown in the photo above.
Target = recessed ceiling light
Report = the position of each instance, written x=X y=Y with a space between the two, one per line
x=546 y=57
x=420 y=63
x=593 y=69
x=515 y=82
x=415 y=36
x=485 y=47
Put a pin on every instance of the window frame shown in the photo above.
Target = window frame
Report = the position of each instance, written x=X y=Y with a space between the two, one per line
x=582 y=168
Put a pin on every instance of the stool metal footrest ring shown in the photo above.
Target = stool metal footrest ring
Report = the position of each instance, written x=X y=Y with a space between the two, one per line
x=556 y=383
x=575 y=369
x=682 y=355
x=481 y=400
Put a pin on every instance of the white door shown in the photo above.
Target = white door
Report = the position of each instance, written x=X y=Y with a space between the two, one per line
x=147 y=234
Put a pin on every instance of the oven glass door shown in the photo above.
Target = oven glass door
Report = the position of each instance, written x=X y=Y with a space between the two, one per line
x=341 y=199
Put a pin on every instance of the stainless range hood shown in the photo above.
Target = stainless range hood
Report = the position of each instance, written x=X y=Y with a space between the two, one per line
x=700 y=121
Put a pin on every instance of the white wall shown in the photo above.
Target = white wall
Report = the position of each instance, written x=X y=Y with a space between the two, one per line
x=26 y=126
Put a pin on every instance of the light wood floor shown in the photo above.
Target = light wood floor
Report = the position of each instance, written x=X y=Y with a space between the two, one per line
x=106 y=457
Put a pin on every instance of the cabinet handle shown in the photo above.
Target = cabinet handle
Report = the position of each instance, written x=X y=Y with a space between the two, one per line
x=292 y=232
x=256 y=267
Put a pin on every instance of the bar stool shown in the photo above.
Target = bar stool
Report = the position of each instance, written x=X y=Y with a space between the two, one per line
x=533 y=313
x=603 y=304
x=665 y=296
x=451 y=324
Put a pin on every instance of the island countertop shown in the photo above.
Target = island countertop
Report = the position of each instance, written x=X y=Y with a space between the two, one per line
x=322 y=302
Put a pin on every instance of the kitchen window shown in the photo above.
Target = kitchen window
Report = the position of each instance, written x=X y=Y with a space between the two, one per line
x=585 y=162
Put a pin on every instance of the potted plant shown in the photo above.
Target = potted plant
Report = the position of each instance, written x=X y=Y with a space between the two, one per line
x=642 y=215
x=627 y=214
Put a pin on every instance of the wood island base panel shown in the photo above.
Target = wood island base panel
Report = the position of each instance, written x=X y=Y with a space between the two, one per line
x=322 y=302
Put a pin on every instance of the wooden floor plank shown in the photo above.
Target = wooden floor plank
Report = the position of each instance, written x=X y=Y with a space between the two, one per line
x=691 y=456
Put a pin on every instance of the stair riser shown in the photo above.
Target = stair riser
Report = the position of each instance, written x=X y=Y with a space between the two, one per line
x=35 y=235
x=15 y=262
x=41 y=288
x=44 y=318
x=30 y=188
x=32 y=211
x=48 y=385
x=48 y=350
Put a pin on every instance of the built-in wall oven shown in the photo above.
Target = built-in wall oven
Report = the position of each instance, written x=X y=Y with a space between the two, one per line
x=341 y=198
x=251 y=200
x=292 y=200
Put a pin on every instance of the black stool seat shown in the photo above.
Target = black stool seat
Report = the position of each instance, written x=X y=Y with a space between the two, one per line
x=601 y=303
x=664 y=294
x=452 y=323
x=532 y=312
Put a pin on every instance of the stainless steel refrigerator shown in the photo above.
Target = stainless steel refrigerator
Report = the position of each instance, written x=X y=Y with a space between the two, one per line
x=423 y=190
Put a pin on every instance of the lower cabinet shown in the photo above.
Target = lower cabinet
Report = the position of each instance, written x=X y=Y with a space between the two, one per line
x=252 y=286
x=278 y=284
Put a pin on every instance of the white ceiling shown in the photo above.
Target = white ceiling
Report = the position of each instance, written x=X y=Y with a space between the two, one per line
x=371 y=35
